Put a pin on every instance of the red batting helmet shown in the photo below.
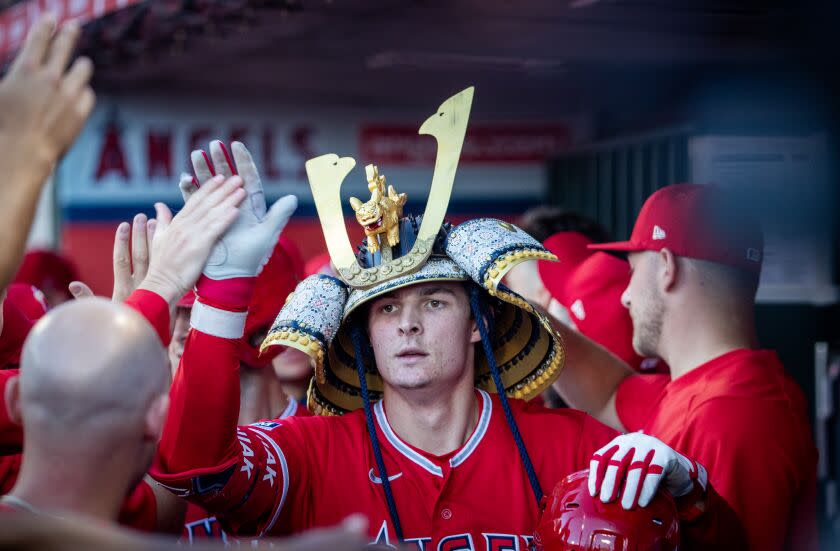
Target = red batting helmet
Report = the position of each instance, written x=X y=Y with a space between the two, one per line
x=572 y=520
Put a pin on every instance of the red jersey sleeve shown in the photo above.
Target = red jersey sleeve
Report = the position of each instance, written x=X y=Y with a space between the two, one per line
x=280 y=487
x=637 y=397
x=200 y=432
x=11 y=434
x=240 y=474
x=155 y=309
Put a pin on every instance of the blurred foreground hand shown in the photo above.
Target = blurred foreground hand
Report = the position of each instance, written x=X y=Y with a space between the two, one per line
x=43 y=105
x=31 y=531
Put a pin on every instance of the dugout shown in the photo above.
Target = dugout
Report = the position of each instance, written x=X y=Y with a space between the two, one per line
x=587 y=104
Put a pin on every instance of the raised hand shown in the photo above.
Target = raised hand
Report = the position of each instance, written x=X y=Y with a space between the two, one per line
x=182 y=244
x=44 y=104
x=43 y=107
x=130 y=263
x=245 y=247
x=227 y=282
x=641 y=463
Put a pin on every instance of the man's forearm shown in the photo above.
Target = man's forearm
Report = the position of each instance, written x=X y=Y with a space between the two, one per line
x=200 y=431
x=591 y=376
x=155 y=309
x=18 y=200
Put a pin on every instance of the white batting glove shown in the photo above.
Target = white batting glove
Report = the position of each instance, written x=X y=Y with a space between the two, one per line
x=245 y=248
x=227 y=282
x=641 y=463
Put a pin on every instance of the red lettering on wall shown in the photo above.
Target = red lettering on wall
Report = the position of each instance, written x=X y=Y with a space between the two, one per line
x=159 y=148
x=200 y=139
x=238 y=134
x=302 y=144
x=271 y=171
x=112 y=158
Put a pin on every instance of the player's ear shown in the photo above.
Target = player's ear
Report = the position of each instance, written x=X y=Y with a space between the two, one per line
x=667 y=270
x=475 y=336
x=156 y=417
x=11 y=395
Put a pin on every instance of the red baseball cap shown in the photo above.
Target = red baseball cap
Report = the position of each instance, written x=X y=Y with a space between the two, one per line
x=696 y=221
x=279 y=277
x=28 y=299
x=592 y=295
x=16 y=326
x=318 y=264
x=47 y=270
x=571 y=248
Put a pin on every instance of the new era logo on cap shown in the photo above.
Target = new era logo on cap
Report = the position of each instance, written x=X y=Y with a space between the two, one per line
x=658 y=233
x=577 y=309
x=700 y=221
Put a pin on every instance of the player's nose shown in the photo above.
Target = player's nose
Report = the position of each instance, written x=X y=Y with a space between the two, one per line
x=625 y=297
x=410 y=322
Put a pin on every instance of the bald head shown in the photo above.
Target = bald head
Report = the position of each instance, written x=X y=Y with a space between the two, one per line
x=90 y=367
x=92 y=397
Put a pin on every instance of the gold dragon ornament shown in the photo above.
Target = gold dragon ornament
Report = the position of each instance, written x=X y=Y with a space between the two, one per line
x=380 y=216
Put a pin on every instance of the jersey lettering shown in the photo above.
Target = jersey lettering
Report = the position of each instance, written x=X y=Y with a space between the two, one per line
x=459 y=542
x=269 y=475
x=422 y=543
x=269 y=472
x=501 y=542
x=206 y=528
x=382 y=536
x=248 y=465
x=269 y=456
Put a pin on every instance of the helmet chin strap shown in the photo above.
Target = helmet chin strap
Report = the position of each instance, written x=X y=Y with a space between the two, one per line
x=478 y=311
x=357 y=336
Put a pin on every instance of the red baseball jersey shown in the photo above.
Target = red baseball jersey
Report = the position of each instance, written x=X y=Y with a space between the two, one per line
x=201 y=525
x=283 y=476
x=745 y=420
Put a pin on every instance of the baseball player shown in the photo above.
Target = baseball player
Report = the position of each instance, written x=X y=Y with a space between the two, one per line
x=408 y=430
x=695 y=259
